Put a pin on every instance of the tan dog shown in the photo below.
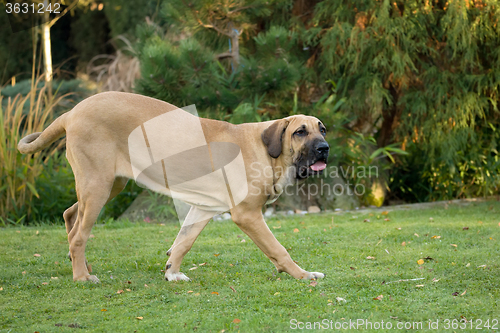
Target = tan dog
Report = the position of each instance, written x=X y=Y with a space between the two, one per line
x=97 y=133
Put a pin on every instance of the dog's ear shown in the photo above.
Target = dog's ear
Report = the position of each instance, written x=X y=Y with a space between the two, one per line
x=273 y=137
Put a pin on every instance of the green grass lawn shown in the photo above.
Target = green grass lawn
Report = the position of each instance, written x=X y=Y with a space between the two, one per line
x=238 y=288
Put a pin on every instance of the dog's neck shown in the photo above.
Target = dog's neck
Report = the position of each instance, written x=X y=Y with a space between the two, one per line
x=283 y=175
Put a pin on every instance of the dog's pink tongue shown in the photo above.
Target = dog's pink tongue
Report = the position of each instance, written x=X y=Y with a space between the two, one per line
x=318 y=166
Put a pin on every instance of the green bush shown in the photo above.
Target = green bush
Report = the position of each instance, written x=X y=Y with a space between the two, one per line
x=475 y=171
x=56 y=190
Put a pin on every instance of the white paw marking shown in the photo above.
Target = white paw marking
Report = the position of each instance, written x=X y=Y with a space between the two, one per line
x=314 y=276
x=176 y=277
x=93 y=278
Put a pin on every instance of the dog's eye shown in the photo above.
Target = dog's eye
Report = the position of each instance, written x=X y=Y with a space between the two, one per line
x=323 y=131
x=300 y=132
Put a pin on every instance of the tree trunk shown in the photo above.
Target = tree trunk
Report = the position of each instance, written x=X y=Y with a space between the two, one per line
x=47 y=53
x=390 y=120
x=235 y=51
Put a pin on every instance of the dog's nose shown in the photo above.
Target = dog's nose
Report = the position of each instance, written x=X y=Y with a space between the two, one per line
x=322 y=147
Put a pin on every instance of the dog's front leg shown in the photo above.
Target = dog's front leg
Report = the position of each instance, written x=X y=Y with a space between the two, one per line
x=183 y=243
x=253 y=224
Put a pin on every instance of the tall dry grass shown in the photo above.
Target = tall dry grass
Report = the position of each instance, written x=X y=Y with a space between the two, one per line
x=18 y=172
x=116 y=72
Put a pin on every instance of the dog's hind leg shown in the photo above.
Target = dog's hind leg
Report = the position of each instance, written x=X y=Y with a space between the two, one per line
x=195 y=222
x=93 y=193
x=70 y=215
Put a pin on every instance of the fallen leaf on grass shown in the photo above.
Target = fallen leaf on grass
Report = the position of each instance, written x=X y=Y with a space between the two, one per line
x=146 y=286
x=45 y=283
x=23 y=272
x=352 y=268
x=276 y=227
x=384 y=212
x=18 y=231
x=419 y=285
x=37 y=232
x=468 y=264
x=366 y=220
x=435 y=280
x=232 y=288
x=36 y=255
x=370 y=258
x=435 y=237
x=214 y=293
x=119 y=291
x=380 y=241
x=455 y=294
x=139 y=318
x=1 y=288
x=482 y=266
x=276 y=293
x=103 y=310
x=216 y=254
x=202 y=264
x=243 y=241
x=454 y=245
x=416 y=234
x=340 y=299
x=387 y=220
x=128 y=289
x=403 y=244
x=189 y=291
x=313 y=284
x=465 y=228
x=378 y=298
x=296 y=230
x=193 y=268
x=236 y=321
x=54 y=277
x=420 y=261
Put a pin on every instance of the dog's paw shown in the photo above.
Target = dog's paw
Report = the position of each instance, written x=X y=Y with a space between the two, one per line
x=314 y=276
x=90 y=278
x=176 y=277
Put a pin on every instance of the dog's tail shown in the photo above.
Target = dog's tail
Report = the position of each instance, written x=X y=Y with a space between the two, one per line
x=37 y=141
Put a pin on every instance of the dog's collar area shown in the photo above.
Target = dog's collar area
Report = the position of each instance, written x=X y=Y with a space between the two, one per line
x=277 y=190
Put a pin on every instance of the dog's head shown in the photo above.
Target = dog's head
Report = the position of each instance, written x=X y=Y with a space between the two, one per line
x=301 y=141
